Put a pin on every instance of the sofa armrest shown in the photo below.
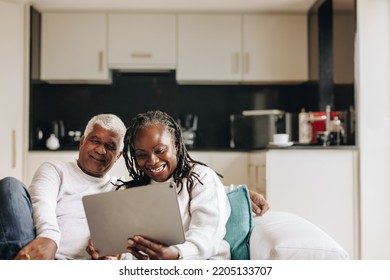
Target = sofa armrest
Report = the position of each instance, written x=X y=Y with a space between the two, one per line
x=286 y=236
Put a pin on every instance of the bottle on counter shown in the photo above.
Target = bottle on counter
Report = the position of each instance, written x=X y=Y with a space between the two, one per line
x=305 y=127
x=52 y=143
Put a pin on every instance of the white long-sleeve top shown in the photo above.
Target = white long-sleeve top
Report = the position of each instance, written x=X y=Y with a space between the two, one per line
x=57 y=188
x=56 y=191
x=210 y=210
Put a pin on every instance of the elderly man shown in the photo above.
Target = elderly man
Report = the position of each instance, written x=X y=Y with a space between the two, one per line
x=61 y=230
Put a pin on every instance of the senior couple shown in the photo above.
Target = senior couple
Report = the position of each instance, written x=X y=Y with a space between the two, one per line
x=47 y=220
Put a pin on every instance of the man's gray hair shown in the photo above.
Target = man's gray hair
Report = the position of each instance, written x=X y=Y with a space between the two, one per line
x=110 y=122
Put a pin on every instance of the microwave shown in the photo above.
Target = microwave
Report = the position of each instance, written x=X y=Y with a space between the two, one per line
x=255 y=129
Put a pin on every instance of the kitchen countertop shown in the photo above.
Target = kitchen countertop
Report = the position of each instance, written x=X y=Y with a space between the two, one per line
x=213 y=149
x=293 y=147
x=314 y=147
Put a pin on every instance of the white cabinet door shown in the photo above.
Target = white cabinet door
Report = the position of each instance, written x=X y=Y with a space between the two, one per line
x=142 y=41
x=319 y=185
x=242 y=48
x=204 y=157
x=233 y=166
x=73 y=47
x=275 y=48
x=11 y=89
x=209 y=48
x=256 y=172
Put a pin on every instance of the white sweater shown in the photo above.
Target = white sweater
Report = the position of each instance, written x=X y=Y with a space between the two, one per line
x=210 y=210
x=58 y=212
x=56 y=191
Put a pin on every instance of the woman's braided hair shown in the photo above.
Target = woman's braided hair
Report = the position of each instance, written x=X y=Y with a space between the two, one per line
x=185 y=163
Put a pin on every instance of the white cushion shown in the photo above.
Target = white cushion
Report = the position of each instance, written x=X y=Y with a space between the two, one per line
x=285 y=236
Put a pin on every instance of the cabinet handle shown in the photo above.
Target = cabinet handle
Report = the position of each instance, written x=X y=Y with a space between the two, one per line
x=246 y=62
x=250 y=176
x=100 y=61
x=236 y=62
x=257 y=184
x=140 y=55
x=13 y=149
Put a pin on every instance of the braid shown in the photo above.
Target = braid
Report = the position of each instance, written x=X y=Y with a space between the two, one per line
x=185 y=164
x=139 y=178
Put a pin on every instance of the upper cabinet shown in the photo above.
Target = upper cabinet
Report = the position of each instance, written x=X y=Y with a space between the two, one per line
x=203 y=48
x=258 y=48
x=209 y=48
x=73 y=47
x=275 y=48
x=142 y=41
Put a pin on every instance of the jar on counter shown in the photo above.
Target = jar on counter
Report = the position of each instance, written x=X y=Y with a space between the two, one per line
x=305 y=127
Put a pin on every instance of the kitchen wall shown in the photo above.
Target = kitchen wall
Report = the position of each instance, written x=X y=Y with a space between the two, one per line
x=132 y=93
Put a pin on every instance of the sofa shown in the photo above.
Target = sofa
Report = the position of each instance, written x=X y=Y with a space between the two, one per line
x=275 y=235
x=286 y=236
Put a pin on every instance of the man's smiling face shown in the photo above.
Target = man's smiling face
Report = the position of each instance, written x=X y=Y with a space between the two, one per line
x=98 y=152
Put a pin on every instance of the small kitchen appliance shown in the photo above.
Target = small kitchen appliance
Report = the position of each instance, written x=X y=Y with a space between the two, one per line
x=255 y=128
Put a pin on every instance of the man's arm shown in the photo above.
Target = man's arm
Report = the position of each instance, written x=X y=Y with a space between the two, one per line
x=40 y=248
x=259 y=204
x=44 y=191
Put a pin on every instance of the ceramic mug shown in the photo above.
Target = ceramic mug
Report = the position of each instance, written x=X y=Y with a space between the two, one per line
x=280 y=138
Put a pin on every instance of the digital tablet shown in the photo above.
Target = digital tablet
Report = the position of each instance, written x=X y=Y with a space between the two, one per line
x=151 y=211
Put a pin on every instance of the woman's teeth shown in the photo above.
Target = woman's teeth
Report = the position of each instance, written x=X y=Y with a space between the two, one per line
x=158 y=169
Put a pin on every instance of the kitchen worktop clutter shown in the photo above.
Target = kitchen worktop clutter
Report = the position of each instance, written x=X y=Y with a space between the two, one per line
x=189 y=126
x=54 y=135
x=326 y=128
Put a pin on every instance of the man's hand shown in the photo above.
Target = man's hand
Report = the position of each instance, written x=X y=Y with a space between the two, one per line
x=259 y=204
x=40 y=248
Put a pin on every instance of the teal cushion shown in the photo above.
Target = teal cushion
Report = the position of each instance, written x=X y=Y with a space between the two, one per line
x=239 y=225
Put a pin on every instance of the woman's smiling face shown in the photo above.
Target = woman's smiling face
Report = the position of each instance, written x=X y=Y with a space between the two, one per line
x=155 y=152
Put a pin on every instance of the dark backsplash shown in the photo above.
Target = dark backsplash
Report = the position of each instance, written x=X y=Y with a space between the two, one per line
x=132 y=93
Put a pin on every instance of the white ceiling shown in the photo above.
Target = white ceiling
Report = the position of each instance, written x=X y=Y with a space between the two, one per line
x=175 y=5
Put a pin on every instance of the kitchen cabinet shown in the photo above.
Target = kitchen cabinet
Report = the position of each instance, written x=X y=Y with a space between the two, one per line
x=257 y=172
x=233 y=166
x=205 y=157
x=74 y=47
x=319 y=185
x=12 y=57
x=35 y=159
x=275 y=48
x=142 y=41
x=236 y=48
x=209 y=48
